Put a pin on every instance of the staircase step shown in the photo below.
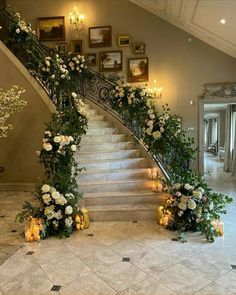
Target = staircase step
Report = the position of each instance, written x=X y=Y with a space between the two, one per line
x=115 y=185
x=96 y=117
x=98 y=124
x=115 y=174
x=102 y=131
x=102 y=138
x=106 y=146
x=114 y=164
x=119 y=198
x=107 y=155
x=122 y=212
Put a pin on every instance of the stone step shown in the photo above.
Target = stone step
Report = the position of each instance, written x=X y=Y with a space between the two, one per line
x=102 y=138
x=106 y=155
x=106 y=146
x=96 y=117
x=114 y=164
x=102 y=131
x=92 y=112
x=119 y=198
x=115 y=185
x=115 y=174
x=98 y=124
x=125 y=212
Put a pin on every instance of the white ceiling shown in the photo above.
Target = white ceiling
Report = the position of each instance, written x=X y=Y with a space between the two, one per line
x=201 y=18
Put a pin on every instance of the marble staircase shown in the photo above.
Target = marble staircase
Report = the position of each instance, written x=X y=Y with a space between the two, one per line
x=116 y=176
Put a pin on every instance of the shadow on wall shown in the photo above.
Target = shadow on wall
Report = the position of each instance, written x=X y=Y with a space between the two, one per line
x=18 y=149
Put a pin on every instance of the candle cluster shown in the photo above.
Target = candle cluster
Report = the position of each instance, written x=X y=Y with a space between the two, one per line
x=163 y=216
x=218 y=227
x=82 y=219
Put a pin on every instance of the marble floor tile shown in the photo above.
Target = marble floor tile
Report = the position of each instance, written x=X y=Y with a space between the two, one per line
x=212 y=268
x=100 y=258
x=122 y=275
x=183 y=280
x=88 y=285
x=214 y=289
x=129 y=248
x=154 y=262
x=148 y=287
x=228 y=281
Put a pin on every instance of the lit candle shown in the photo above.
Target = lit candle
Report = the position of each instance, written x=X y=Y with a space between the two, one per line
x=160 y=215
x=165 y=220
x=85 y=218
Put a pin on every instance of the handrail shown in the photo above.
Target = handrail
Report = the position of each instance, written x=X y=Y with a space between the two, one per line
x=90 y=84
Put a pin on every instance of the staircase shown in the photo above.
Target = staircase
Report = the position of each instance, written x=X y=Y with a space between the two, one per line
x=116 y=183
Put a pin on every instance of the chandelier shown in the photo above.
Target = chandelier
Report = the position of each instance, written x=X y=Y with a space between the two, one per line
x=76 y=20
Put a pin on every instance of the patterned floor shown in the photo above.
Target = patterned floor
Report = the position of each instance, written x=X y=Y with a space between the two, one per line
x=118 y=258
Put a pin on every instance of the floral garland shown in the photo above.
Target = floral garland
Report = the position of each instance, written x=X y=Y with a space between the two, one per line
x=193 y=205
x=10 y=103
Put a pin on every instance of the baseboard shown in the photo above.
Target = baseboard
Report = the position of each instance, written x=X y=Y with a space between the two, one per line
x=17 y=186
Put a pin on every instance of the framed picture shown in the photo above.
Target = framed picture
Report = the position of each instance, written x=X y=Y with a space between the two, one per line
x=139 y=48
x=138 y=69
x=91 y=59
x=76 y=46
x=124 y=41
x=100 y=36
x=51 y=28
x=110 y=61
x=61 y=47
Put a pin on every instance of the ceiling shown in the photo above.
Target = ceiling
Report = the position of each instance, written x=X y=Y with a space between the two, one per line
x=201 y=18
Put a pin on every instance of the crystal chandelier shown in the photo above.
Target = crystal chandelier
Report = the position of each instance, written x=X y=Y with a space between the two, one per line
x=76 y=20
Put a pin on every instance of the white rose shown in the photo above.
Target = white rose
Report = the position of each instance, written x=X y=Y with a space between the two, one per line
x=197 y=194
x=46 y=198
x=192 y=205
x=188 y=187
x=47 y=62
x=150 y=123
x=55 y=195
x=156 y=135
x=73 y=147
x=152 y=116
x=48 y=133
x=182 y=206
x=150 y=112
x=47 y=147
x=184 y=199
x=57 y=139
x=68 y=221
x=178 y=194
x=149 y=130
x=58 y=214
x=61 y=200
x=68 y=210
x=53 y=77
x=46 y=188
x=211 y=206
x=73 y=94
x=71 y=138
x=18 y=31
x=201 y=189
x=162 y=129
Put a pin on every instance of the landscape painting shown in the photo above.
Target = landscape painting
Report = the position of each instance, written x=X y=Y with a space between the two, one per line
x=138 y=69
x=100 y=36
x=51 y=28
x=110 y=61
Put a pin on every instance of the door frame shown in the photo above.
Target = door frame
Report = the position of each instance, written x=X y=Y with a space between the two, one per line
x=212 y=93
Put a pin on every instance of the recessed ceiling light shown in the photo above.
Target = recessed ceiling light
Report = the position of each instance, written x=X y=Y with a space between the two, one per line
x=223 y=21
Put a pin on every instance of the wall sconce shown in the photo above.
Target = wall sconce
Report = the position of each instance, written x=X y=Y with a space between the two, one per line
x=76 y=20
x=155 y=92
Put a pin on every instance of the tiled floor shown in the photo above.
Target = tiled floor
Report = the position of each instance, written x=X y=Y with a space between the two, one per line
x=92 y=265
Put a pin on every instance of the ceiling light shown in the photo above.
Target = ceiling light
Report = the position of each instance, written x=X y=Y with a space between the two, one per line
x=223 y=21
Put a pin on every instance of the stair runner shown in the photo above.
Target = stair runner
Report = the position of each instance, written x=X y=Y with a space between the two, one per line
x=115 y=181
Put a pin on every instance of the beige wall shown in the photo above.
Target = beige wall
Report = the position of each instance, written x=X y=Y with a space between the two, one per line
x=179 y=66
x=17 y=151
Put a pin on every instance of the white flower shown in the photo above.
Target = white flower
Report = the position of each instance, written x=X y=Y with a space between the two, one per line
x=73 y=94
x=162 y=129
x=68 y=221
x=49 y=211
x=201 y=189
x=188 y=187
x=211 y=206
x=152 y=116
x=182 y=206
x=149 y=130
x=47 y=147
x=46 y=188
x=150 y=123
x=71 y=138
x=178 y=194
x=47 y=62
x=57 y=139
x=55 y=195
x=18 y=31
x=180 y=213
x=166 y=116
x=53 y=77
x=156 y=135
x=48 y=133
x=192 y=205
x=58 y=214
x=176 y=185
x=68 y=210
x=184 y=199
x=129 y=100
x=73 y=147
x=55 y=223
x=46 y=198
x=150 y=112
x=61 y=200
x=197 y=194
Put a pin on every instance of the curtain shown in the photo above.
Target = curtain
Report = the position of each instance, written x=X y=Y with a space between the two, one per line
x=214 y=131
x=228 y=139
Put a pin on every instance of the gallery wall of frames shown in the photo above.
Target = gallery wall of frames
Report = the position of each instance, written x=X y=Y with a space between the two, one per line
x=52 y=29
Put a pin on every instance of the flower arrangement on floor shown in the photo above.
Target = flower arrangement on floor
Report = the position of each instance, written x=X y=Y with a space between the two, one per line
x=10 y=103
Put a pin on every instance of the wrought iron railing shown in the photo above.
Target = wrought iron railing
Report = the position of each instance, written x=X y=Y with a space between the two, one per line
x=90 y=84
